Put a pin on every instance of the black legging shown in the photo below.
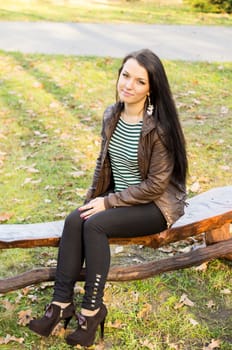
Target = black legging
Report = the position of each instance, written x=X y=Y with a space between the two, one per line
x=87 y=240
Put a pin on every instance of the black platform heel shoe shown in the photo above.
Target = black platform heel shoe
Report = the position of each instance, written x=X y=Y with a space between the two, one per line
x=53 y=315
x=87 y=328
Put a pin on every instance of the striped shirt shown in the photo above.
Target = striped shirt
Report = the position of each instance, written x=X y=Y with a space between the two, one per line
x=123 y=151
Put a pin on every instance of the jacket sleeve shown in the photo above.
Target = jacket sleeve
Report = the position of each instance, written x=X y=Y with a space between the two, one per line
x=152 y=187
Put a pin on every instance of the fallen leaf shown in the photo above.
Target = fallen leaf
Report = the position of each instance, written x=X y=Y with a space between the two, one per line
x=195 y=187
x=174 y=346
x=26 y=290
x=224 y=110
x=185 y=249
x=196 y=101
x=51 y=262
x=225 y=167
x=37 y=85
x=32 y=170
x=193 y=322
x=116 y=324
x=147 y=308
x=200 y=117
x=5 y=216
x=147 y=344
x=7 y=305
x=77 y=174
x=54 y=105
x=31 y=113
x=213 y=345
x=61 y=215
x=47 y=200
x=9 y=338
x=166 y=249
x=118 y=249
x=39 y=134
x=184 y=300
x=210 y=304
x=28 y=180
x=99 y=346
x=24 y=317
x=32 y=297
x=79 y=290
x=225 y=291
x=202 y=267
x=59 y=330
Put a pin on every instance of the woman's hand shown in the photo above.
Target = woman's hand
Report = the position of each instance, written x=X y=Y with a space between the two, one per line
x=93 y=207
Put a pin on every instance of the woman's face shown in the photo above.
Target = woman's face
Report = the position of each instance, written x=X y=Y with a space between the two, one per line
x=133 y=83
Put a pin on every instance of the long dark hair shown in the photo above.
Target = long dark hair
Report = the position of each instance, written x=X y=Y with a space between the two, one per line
x=165 y=112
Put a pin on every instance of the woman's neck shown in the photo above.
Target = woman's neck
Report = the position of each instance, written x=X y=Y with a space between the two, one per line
x=132 y=114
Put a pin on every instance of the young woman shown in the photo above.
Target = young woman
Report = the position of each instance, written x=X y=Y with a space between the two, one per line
x=138 y=189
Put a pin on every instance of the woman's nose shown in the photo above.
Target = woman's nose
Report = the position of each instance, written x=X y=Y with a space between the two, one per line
x=129 y=84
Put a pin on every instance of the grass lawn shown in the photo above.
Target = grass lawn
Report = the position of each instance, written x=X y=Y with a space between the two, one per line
x=50 y=112
x=112 y=11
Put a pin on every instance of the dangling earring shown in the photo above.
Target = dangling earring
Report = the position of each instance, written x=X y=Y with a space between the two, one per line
x=150 y=107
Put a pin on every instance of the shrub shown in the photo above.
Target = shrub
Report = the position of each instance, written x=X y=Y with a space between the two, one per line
x=215 y=6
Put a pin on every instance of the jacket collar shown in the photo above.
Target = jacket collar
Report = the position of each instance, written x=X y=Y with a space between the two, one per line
x=148 y=124
x=111 y=120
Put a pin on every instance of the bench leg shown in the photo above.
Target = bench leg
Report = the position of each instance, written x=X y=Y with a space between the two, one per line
x=218 y=235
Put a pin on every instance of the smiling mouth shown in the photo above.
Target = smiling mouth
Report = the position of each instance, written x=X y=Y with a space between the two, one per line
x=126 y=93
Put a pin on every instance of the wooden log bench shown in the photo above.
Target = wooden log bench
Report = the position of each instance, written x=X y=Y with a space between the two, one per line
x=209 y=213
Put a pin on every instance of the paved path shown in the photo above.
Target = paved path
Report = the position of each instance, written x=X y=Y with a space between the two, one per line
x=195 y=43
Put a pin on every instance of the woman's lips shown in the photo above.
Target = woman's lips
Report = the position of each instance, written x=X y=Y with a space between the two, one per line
x=126 y=93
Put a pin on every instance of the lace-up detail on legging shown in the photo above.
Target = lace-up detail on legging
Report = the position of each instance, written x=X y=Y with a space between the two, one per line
x=94 y=293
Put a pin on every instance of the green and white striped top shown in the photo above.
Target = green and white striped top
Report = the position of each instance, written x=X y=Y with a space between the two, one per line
x=123 y=151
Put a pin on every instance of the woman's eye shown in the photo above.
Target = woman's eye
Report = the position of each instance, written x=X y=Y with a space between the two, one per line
x=125 y=75
x=141 y=82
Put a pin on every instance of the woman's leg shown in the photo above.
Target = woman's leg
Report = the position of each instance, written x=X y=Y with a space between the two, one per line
x=130 y=221
x=70 y=258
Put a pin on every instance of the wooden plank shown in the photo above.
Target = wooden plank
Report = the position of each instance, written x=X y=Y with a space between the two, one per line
x=126 y=273
x=157 y=240
x=208 y=205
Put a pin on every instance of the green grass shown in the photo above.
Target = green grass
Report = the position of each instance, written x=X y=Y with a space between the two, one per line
x=50 y=111
x=150 y=12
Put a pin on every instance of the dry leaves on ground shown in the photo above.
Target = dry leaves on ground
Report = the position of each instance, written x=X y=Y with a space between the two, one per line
x=203 y=267
x=225 y=291
x=215 y=344
x=193 y=322
x=147 y=308
x=5 y=217
x=10 y=338
x=117 y=324
x=8 y=305
x=210 y=304
x=184 y=300
x=146 y=344
x=24 y=317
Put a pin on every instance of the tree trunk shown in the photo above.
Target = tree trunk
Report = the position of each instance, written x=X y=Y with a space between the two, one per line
x=135 y=272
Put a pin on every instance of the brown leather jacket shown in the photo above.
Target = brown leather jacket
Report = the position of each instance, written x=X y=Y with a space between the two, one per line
x=155 y=165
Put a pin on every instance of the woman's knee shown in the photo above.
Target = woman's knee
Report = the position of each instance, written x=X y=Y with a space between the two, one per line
x=73 y=221
x=92 y=226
